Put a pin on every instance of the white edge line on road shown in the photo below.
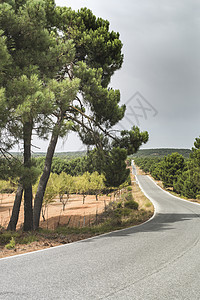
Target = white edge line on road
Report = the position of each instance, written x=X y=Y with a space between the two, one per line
x=150 y=198
x=172 y=194
x=93 y=237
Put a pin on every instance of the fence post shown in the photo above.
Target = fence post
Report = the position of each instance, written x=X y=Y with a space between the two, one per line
x=96 y=215
x=84 y=220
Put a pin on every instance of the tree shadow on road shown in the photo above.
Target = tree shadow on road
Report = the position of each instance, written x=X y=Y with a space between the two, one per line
x=161 y=222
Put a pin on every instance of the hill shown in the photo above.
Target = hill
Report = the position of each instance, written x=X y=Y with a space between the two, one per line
x=162 y=152
x=65 y=155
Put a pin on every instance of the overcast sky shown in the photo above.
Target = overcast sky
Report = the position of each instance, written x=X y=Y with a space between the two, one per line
x=161 y=62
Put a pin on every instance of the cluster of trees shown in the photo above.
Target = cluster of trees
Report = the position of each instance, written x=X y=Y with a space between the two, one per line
x=63 y=185
x=113 y=166
x=73 y=167
x=183 y=175
x=55 y=69
x=162 y=152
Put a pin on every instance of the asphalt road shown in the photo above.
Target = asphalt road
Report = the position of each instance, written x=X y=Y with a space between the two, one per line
x=157 y=260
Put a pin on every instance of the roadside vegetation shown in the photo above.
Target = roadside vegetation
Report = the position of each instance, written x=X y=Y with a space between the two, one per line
x=178 y=174
x=129 y=208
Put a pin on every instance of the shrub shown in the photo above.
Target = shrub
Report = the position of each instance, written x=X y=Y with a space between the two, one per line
x=118 y=212
x=119 y=205
x=131 y=204
x=129 y=196
x=11 y=244
x=5 y=237
x=127 y=211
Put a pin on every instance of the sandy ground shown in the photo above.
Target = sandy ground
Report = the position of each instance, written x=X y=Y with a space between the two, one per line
x=76 y=213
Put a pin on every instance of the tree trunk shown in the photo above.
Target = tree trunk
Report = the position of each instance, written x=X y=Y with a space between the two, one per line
x=16 y=208
x=27 y=186
x=45 y=175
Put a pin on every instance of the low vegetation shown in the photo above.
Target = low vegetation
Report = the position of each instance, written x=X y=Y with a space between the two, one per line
x=179 y=174
x=129 y=208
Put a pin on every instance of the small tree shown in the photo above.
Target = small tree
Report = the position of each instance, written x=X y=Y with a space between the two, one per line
x=97 y=183
x=49 y=196
x=64 y=184
x=172 y=166
x=83 y=184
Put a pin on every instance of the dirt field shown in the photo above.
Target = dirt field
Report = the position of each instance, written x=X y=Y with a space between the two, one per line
x=76 y=214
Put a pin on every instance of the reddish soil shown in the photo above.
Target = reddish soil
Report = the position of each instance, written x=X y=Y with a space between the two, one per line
x=76 y=214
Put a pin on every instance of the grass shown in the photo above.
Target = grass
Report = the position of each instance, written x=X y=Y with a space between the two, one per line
x=19 y=237
x=11 y=244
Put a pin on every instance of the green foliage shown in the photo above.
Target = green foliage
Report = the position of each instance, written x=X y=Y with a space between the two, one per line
x=111 y=165
x=10 y=168
x=128 y=196
x=6 y=187
x=115 y=167
x=82 y=184
x=10 y=239
x=132 y=140
x=128 y=161
x=175 y=171
x=57 y=67
x=50 y=192
x=63 y=183
x=131 y=204
x=30 y=238
x=148 y=164
x=172 y=166
x=119 y=204
x=11 y=244
x=97 y=183
x=160 y=152
x=5 y=237
x=95 y=44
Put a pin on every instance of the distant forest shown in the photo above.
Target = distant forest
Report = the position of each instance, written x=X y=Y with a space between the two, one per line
x=143 y=152
x=161 y=152
x=64 y=155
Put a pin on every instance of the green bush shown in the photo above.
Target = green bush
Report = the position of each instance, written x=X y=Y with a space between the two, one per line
x=118 y=212
x=6 y=187
x=119 y=205
x=129 y=196
x=131 y=204
x=127 y=211
x=11 y=244
x=5 y=237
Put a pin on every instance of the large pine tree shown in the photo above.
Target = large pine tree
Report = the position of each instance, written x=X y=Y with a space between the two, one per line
x=57 y=72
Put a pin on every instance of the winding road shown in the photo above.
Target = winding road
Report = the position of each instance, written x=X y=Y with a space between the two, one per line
x=157 y=260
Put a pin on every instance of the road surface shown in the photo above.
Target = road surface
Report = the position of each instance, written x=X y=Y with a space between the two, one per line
x=157 y=260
